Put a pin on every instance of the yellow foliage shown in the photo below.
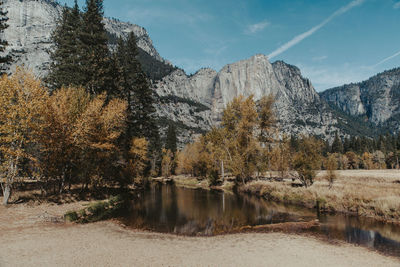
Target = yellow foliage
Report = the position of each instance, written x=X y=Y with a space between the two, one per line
x=138 y=157
x=167 y=162
x=22 y=101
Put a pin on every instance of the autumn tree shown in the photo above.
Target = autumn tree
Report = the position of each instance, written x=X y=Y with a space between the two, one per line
x=22 y=101
x=96 y=135
x=378 y=159
x=307 y=160
x=366 y=160
x=58 y=159
x=266 y=119
x=331 y=167
x=280 y=157
x=240 y=121
x=167 y=162
x=137 y=158
x=185 y=159
x=352 y=160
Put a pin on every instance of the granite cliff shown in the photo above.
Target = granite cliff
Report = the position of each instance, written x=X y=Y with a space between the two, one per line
x=31 y=23
x=376 y=100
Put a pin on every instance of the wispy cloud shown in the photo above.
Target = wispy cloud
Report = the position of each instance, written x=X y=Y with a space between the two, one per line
x=396 y=5
x=145 y=15
x=310 y=32
x=254 y=28
x=216 y=51
x=386 y=59
x=320 y=58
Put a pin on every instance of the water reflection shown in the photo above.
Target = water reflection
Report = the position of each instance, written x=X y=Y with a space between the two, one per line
x=166 y=208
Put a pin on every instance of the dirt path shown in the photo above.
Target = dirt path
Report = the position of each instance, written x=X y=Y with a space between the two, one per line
x=29 y=238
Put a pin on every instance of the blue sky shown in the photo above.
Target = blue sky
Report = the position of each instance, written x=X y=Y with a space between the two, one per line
x=333 y=42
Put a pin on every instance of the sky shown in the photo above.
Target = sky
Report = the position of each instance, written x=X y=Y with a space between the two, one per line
x=333 y=42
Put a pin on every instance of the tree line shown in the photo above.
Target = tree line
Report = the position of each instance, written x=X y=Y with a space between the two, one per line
x=65 y=138
x=248 y=144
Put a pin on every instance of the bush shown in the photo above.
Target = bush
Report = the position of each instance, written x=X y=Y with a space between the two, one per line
x=213 y=177
x=71 y=216
x=100 y=210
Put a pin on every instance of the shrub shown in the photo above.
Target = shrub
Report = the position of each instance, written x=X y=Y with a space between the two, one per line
x=71 y=216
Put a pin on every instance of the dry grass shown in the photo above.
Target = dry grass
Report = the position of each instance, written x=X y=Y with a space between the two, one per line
x=367 y=193
x=192 y=182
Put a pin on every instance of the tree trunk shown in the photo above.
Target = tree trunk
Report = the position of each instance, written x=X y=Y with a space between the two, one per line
x=6 y=193
x=222 y=171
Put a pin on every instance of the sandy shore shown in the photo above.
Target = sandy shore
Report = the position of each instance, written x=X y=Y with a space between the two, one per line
x=30 y=238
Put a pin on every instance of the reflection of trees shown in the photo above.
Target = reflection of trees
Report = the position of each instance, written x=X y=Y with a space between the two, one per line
x=340 y=223
x=167 y=208
x=372 y=239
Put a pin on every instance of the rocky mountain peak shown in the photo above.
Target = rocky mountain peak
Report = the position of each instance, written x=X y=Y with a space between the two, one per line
x=31 y=23
x=376 y=99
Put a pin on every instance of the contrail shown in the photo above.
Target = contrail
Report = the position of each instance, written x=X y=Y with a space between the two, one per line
x=386 y=59
x=306 y=34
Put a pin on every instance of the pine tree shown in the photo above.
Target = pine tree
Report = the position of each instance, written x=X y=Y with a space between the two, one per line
x=398 y=141
x=346 y=145
x=337 y=145
x=171 y=138
x=94 y=52
x=65 y=68
x=131 y=84
x=134 y=87
x=5 y=60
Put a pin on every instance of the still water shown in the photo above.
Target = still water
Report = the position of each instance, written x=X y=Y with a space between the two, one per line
x=170 y=209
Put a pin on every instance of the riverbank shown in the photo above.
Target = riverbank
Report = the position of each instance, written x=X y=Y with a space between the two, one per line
x=193 y=183
x=32 y=235
x=374 y=193
x=369 y=193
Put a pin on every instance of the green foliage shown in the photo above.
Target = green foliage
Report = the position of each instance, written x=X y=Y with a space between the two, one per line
x=307 y=160
x=95 y=61
x=331 y=167
x=213 y=177
x=337 y=145
x=65 y=69
x=154 y=69
x=134 y=87
x=71 y=216
x=171 y=138
x=99 y=210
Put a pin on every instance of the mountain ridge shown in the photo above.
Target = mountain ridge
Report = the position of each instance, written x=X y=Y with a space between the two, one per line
x=193 y=102
x=376 y=100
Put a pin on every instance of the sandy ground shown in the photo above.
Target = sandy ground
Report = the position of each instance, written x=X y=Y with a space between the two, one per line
x=31 y=236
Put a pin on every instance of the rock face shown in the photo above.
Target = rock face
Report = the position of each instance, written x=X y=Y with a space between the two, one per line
x=31 y=23
x=377 y=99
x=299 y=108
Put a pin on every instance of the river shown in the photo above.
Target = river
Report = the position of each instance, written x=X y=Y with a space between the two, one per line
x=171 y=209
